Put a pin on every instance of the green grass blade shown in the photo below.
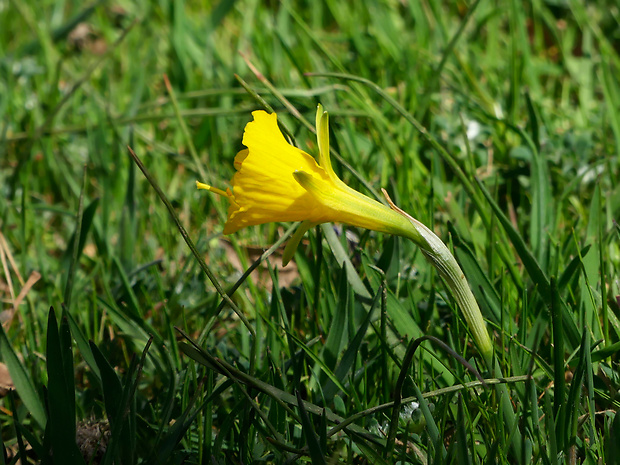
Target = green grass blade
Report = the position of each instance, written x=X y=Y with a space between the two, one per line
x=175 y=434
x=41 y=449
x=205 y=268
x=370 y=453
x=74 y=246
x=431 y=425
x=61 y=393
x=21 y=379
x=571 y=269
x=463 y=453
x=312 y=440
x=110 y=383
x=551 y=428
x=350 y=354
x=83 y=344
x=343 y=259
x=559 y=394
x=337 y=331
x=612 y=452
x=574 y=394
x=533 y=268
x=316 y=359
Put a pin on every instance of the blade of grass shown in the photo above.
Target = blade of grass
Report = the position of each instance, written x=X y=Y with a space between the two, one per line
x=319 y=361
x=337 y=331
x=533 y=268
x=203 y=266
x=122 y=443
x=312 y=440
x=21 y=379
x=22 y=433
x=408 y=359
x=559 y=392
x=186 y=135
x=569 y=429
x=461 y=432
x=348 y=358
x=76 y=244
x=345 y=262
x=551 y=428
x=61 y=393
x=573 y=266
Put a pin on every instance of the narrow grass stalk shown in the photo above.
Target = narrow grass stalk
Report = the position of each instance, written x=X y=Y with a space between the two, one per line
x=205 y=268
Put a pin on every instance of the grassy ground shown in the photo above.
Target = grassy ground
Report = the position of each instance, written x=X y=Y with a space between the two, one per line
x=114 y=330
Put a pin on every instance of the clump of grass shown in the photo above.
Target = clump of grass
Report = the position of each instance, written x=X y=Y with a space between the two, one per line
x=495 y=125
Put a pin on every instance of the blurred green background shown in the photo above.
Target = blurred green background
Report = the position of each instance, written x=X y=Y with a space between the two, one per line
x=516 y=169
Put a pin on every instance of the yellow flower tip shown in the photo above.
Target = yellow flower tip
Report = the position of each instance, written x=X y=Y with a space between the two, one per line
x=322 y=134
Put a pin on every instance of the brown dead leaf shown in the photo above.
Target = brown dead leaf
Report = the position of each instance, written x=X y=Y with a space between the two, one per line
x=6 y=383
x=84 y=37
x=80 y=35
x=286 y=274
x=6 y=317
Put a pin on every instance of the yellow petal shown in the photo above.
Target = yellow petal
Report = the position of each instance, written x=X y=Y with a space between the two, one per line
x=278 y=182
x=264 y=189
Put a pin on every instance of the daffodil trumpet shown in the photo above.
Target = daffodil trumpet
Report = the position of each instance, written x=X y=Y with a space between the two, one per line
x=275 y=181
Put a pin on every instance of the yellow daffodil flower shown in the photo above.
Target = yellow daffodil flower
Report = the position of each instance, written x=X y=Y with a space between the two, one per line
x=278 y=182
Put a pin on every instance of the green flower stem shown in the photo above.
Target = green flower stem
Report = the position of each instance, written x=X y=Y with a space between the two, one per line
x=450 y=271
x=440 y=256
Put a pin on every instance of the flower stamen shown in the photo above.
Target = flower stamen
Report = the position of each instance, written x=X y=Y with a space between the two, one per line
x=215 y=190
